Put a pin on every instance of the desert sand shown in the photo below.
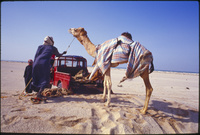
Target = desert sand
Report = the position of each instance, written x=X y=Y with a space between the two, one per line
x=173 y=107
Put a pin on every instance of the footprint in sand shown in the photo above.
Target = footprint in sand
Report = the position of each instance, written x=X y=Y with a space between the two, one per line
x=8 y=120
x=32 y=117
x=109 y=120
x=123 y=120
x=20 y=109
x=44 y=110
x=66 y=121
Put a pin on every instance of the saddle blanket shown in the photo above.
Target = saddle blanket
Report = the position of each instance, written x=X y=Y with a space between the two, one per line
x=120 y=50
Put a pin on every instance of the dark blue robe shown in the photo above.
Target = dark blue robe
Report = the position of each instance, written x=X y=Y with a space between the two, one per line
x=41 y=65
x=27 y=77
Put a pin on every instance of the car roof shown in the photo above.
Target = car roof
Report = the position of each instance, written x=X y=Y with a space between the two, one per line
x=71 y=56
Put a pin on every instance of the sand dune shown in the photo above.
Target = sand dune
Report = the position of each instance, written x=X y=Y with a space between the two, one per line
x=173 y=108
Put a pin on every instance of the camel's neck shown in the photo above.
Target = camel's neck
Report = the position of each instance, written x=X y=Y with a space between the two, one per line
x=89 y=46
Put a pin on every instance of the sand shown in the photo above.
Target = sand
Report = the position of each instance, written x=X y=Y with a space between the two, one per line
x=173 y=107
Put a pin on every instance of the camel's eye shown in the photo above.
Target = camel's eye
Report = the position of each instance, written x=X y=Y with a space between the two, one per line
x=75 y=29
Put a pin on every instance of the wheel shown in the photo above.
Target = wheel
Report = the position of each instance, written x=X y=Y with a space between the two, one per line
x=59 y=84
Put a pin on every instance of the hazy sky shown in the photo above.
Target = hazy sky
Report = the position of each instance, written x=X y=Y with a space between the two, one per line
x=169 y=29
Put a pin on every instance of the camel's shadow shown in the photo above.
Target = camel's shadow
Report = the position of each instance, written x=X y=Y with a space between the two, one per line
x=89 y=98
x=116 y=101
x=180 y=114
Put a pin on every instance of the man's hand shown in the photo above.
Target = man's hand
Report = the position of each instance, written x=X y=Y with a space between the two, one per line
x=64 y=52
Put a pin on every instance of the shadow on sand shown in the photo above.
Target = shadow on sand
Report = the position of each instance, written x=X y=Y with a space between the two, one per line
x=177 y=113
x=161 y=108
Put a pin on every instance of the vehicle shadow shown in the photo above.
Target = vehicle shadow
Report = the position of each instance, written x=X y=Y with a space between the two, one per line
x=73 y=98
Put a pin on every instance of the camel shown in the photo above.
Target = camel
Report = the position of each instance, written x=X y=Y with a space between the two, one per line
x=82 y=37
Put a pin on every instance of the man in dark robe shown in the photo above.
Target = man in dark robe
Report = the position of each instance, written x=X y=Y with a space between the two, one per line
x=41 y=65
x=28 y=76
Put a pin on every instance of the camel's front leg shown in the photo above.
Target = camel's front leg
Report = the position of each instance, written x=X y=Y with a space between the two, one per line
x=104 y=91
x=149 y=89
x=107 y=86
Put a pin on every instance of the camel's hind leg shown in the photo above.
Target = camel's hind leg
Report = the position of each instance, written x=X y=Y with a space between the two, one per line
x=107 y=87
x=149 y=89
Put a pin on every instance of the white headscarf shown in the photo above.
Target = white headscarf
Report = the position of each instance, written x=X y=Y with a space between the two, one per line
x=48 y=40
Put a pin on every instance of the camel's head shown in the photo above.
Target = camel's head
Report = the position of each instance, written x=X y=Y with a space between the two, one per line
x=76 y=32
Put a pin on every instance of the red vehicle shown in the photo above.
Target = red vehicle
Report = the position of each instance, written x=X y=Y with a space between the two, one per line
x=64 y=70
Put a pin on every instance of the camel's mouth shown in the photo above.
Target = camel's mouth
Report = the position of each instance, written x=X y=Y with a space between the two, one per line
x=70 y=31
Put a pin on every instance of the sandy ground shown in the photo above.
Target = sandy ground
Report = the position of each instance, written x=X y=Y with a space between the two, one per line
x=173 y=107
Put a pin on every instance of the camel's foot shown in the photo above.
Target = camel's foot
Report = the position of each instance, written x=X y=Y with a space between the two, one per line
x=107 y=104
x=103 y=101
x=143 y=111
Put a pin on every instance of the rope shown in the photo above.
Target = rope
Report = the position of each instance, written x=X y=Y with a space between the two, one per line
x=56 y=92
x=66 y=49
x=25 y=89
x=70 y=44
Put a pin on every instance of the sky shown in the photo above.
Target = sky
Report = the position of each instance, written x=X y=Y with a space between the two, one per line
x=169 y=29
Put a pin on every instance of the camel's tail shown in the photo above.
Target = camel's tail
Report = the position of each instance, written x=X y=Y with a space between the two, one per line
x=151 y=68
